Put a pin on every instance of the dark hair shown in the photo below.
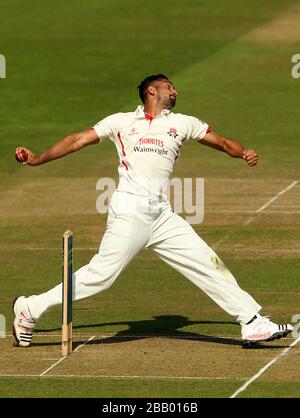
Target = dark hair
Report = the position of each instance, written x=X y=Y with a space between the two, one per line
x=146 y=83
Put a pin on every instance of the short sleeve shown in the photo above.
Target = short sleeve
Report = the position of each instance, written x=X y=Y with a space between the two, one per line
x=197 y=128
x=105 y=128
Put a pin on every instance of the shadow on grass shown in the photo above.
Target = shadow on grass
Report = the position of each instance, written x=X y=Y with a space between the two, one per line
x=163 y=326
x=159 y=324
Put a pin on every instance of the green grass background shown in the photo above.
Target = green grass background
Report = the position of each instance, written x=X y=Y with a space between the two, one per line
x=69 y=64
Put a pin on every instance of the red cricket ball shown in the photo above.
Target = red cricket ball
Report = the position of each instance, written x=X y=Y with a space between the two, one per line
x=21 y=156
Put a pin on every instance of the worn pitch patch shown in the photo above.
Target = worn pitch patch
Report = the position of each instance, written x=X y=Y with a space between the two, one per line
x=281 y=29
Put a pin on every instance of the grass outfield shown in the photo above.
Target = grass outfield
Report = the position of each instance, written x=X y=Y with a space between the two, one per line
x=153 y=333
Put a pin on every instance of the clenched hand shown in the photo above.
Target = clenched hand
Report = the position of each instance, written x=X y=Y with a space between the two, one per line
x=251 y=156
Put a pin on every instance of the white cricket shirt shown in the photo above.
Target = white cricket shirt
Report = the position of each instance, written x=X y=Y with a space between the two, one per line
x=148 y=147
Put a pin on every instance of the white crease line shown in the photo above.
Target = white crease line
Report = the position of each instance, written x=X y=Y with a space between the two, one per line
x=259 y=210
x=293 y=184
x=53 y=365
x=72 y=376
x=264 y=369
x=151 y=377
x=63 y=358
x=269 y=202
x=86 y=342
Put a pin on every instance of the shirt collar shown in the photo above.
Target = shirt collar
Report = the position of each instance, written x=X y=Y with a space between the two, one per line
x=140 y=114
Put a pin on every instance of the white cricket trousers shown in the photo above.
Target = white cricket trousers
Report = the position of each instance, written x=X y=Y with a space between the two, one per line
x=133 y=225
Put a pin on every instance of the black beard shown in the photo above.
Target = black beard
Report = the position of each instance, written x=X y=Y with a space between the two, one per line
x=173 y=102
x=170 y=103
x=167 y=102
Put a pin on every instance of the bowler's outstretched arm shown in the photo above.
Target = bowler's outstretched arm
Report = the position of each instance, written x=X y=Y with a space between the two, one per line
x=71 y=143
x=230 y=146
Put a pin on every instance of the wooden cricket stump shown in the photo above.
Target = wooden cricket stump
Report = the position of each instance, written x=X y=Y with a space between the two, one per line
x=67 y=293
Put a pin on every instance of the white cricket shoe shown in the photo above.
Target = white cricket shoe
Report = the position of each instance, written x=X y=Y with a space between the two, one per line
x=262 y=329
x=23 y=324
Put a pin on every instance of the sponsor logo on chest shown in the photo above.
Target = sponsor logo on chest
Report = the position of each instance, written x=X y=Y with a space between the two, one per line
x=173 y=133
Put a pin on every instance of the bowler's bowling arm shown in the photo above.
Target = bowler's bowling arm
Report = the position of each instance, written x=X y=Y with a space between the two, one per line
x=230 y=146
x=71 y=143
